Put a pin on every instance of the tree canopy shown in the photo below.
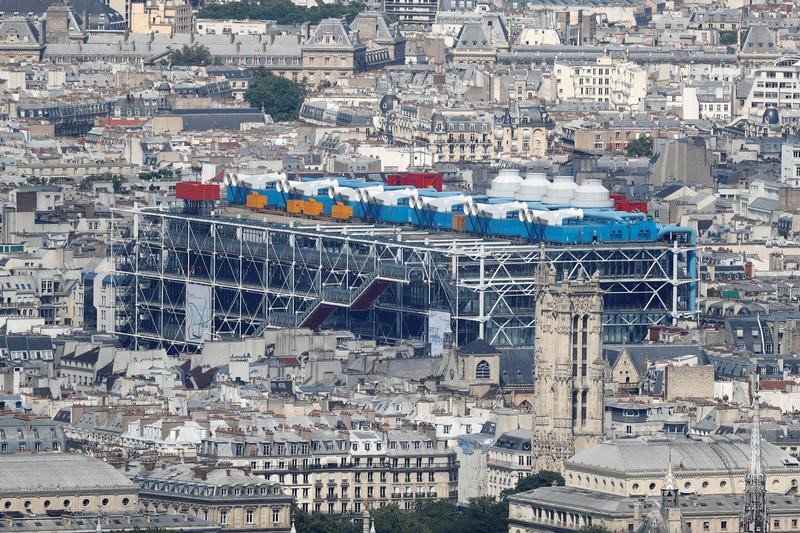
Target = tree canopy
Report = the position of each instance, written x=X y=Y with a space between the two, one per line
x=281 y=11
x=322 y=523
x=543 y=478
x=641 y=147
x=728 y=37
x=194 y=56
x=277 y=96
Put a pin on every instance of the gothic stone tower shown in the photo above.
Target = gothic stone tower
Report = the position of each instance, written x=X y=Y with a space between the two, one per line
x=568 y=368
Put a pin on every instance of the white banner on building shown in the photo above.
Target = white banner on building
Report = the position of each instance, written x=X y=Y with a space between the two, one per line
x=438 y=330
x=198 y=312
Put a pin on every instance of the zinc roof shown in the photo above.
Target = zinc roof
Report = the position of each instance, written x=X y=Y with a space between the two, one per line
x=56 y=472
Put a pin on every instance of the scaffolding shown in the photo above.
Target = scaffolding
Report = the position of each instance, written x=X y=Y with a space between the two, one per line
x=187 y=278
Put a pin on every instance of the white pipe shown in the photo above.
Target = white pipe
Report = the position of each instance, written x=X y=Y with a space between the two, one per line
x=391 y=197
x=440 y=204
x=551 y=218
x=260 y=181
x=497 y=210
x=306 y=188
x=365 y=193
x=346 y=193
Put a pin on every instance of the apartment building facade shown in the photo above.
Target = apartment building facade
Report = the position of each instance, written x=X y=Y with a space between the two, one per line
x=336 y=471
x=622 y=85
x=161 y=16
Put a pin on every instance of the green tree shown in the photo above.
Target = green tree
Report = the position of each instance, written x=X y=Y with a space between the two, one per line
x=322 y=523
x=542 y=478
x=641 y=147
x=440 y=516
x=282 y=11
x=279 y=97
x=727 y=37
x=390 y=519
x=485 y=515
x=194 y=56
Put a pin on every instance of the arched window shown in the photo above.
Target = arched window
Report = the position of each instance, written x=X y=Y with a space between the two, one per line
x=482 y=370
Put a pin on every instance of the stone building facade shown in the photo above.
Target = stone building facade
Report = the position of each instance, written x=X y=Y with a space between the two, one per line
x=331 y=51
x=569 y=369
x=508 y=461
x=336 y=472
x=232 y=498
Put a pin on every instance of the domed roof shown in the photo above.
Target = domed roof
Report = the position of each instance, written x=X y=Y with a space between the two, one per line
x=164 y=86
x=771 y=116
x=388 y=102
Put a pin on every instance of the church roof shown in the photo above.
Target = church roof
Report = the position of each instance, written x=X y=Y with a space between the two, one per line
x=478 y=347
x=58 y=471
x=643 y=454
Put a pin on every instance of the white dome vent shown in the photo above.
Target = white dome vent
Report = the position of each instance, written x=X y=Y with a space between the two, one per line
x=533 y=187
x=592 y=195
x=561 y=191
x=506 y=184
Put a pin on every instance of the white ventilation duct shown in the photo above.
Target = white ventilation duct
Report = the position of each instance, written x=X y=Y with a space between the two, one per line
x=506 y=184
x=561 y=191
x=533 y=187
x=234 y=180
x=392 y=197
x=529 y=215
x=306 y=188
x=260 y=181
x=592 y=195
x=440 y=204
x=345 y=193
x=551 y=218
x=495 y=210
x=365 y=193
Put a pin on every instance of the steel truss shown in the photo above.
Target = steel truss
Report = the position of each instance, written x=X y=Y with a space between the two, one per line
x=377 y=281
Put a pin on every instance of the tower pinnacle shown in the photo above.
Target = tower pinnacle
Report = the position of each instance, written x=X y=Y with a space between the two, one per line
x=754 y=516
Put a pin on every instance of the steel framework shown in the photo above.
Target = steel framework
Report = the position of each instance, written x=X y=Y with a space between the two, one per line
x=381 y=282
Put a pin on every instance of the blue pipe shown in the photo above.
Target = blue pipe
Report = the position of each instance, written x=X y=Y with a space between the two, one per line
x=671 y=228
x=603 y=215
x=436 y=194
